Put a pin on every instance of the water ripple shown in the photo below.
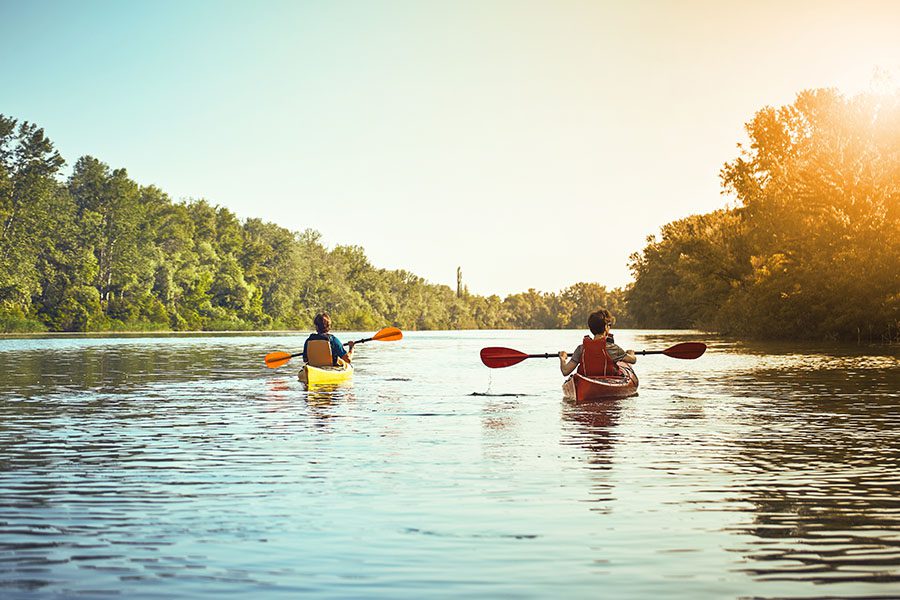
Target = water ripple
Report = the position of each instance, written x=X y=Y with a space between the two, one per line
x=180 y=466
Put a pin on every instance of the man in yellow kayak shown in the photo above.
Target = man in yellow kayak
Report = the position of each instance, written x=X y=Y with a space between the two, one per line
x=322 y=321
x=600 y=352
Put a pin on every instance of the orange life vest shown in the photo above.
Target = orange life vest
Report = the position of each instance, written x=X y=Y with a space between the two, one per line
x=595 y=360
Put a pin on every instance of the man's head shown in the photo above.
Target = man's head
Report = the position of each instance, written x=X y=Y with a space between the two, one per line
x=322 y=322
x=599 y=321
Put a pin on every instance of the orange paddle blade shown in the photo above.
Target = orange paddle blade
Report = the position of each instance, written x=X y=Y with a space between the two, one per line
x=388 y=334
x=277 y=359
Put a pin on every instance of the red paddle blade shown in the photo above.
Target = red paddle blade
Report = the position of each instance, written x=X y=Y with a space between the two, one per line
x=497 y=358
x=388 y=334
x=277 y=359
x=686 y=350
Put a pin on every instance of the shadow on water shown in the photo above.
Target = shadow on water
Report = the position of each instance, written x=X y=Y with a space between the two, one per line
x=819 y=462
x=808 y=439
x=119 y=369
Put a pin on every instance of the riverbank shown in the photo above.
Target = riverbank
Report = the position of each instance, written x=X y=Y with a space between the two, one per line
x=149 y=334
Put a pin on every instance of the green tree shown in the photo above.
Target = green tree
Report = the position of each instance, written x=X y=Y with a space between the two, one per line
x=28 y=192
x=683 y=279
x=813 y=250
x=109 y=211
x=820 y=188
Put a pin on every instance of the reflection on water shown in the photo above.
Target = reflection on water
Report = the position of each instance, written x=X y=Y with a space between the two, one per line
x=820 y=463
x=595 y=429
x=181 y=466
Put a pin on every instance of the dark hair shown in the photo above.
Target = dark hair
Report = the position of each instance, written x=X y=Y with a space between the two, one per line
x=322 y=323
x=598 y=321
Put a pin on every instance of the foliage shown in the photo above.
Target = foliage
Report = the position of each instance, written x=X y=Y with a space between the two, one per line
x=813 y=250
x=99 y=252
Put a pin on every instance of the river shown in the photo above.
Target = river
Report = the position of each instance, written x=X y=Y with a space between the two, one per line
x=154 y=466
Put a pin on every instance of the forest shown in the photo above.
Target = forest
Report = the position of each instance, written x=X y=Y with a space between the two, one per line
x=99 y=252
x=810 y=249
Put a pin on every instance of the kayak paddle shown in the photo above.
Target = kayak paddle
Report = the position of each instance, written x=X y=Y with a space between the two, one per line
x=387 y=334
x=686 y=350
x=497 y=358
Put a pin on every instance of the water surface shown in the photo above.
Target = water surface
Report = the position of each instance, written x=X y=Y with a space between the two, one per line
x=181 y=466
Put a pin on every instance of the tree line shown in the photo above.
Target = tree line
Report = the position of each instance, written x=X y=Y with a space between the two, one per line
x=812 y=248
x=96 y=251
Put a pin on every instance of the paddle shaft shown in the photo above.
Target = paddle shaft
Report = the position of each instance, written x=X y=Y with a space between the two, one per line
x=497 y=358
x=552 y=355
x=345 y=344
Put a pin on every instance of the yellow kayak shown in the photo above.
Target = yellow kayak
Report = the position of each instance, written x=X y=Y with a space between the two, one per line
x=325 y=375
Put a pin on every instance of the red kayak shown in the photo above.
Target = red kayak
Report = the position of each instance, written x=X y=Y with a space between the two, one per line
x=588 y=389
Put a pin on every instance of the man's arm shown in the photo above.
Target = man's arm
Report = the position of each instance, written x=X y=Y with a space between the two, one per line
x=338 y=350
x=567 y=366
x=349 y=354
x=618 y=355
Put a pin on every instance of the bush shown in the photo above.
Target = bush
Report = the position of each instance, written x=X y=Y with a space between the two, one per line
x=15 y=321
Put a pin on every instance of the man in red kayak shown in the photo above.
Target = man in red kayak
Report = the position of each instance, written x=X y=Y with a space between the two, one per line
x=598 y=323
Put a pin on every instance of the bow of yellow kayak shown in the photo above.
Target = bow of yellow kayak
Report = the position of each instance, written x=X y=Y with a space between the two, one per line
x=325 y=375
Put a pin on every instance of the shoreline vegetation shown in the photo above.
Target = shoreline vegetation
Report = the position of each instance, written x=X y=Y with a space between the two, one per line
x=242 y=332
x=811 y=250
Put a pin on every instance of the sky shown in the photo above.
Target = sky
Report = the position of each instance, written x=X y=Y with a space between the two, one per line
x=532 y=144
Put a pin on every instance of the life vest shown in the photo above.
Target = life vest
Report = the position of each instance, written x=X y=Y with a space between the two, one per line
x=595 y=360
x=318 y=353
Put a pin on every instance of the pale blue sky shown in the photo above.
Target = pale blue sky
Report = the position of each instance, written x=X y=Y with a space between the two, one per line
x=534 y=144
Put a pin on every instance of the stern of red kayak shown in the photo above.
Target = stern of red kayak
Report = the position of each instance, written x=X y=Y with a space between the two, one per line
x=590 y=389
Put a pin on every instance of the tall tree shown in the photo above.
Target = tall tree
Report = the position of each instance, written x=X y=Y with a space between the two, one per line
x=109 y=211
x=820 y=188
x=28 y=190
